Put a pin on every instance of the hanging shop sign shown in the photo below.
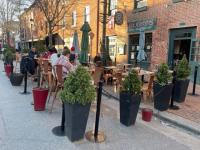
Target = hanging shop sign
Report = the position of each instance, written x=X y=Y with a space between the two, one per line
x=142 y=25
x=119 y=18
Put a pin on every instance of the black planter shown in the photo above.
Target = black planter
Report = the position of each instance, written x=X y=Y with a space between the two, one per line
x=16 y=79
x=162 y=96
x=129 y=106
x=180 y=90
x=76 y=117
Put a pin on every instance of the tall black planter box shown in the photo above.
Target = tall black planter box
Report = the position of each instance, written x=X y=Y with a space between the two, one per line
x=162 y=96
x=180 y=90
x=76 y=117
x=16 y=79
x=129 y=106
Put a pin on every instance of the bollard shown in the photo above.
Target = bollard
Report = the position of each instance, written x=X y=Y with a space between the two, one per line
x=25 y=84
x=97 y=136
x=60 y=130
x=195 y=80
x=172 y=106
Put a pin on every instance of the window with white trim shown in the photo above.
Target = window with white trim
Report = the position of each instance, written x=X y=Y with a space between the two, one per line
x=87 y=14
x=74 y=18
x=140 y=4
x=113 y=10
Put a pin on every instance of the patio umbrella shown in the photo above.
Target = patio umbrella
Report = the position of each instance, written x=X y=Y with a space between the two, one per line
x=85 y=42
x=75 y=43
x=141 y=53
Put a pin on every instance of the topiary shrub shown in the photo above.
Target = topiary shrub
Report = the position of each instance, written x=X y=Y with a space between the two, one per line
x=183 y=69
x=8 y=56
x=132 y=83
x=78 y=88
x=162 y=75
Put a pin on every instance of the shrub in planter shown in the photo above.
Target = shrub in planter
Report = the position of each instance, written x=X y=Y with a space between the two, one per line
x=16 y=79
x=130 y=98
x=181 y=83
x=8 y=61
x=162 y=88
x=77 y=95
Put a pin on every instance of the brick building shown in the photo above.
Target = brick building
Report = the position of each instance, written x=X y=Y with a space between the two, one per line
x=170 y=27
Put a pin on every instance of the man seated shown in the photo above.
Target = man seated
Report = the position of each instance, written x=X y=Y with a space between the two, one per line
x=97 y=58
x=64 y=61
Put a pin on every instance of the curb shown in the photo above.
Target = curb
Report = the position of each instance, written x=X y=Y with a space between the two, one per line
x=183 y=126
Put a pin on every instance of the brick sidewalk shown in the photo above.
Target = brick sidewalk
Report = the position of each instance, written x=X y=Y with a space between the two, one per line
x=190 y=109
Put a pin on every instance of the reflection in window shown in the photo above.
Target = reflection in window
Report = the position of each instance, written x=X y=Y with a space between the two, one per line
x=140 y=3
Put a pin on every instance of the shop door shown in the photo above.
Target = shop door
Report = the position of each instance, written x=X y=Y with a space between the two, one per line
x=180 y=44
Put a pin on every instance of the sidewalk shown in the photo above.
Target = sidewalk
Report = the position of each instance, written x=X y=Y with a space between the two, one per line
x=187 y=117
x=21 y=128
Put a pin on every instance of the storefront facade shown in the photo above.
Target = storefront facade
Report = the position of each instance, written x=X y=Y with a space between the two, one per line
x=169 y=26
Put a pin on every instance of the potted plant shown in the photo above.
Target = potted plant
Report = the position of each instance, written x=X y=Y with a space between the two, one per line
x=130 y=98
x=162 y=88
x=181 y=83
x=77 y=95
x=8 y=61
x=16 y=79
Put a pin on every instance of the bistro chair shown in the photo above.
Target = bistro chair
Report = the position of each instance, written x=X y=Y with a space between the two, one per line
x=147 y=89
x=59 y=82
x=17 y=60
x=97 y=75
x=46 y=74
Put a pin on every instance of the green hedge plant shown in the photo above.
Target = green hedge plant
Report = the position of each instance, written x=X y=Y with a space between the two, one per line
x=183 y=69
x=8 y=56
x=163 y=77
x=78 y=88
x=132 y=83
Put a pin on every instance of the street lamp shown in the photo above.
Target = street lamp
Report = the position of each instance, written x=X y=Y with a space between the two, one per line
x=32 y=21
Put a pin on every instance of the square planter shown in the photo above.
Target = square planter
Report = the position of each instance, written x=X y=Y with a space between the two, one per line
x=129 y=106
x=76 y=116
x=180 y=90
x=162 y=96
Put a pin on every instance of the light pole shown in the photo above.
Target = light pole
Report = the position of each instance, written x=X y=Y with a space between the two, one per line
x=31 y=20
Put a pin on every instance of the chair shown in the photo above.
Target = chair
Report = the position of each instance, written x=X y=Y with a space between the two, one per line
x=46 y=74
x=17 y=59
x=147 y=89
x=108 y=74
x=59 y=82
x=97 y=75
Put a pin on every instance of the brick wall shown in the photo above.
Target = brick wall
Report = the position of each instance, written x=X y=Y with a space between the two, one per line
x=169 y=15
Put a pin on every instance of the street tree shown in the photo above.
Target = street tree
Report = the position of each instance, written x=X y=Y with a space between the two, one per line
x=54 y=11
x=9 y=10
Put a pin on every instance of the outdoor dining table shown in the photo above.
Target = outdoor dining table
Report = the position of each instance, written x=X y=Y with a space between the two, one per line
x=110 y=67
x=141 y=73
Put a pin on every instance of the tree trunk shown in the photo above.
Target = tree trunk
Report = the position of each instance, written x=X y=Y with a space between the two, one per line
x=50 y=36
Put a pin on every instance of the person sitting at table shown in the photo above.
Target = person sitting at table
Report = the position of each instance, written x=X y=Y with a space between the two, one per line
x=33 y=54
x=65 y=49
x=97 y=58
x=65 y=62
x=50 y=52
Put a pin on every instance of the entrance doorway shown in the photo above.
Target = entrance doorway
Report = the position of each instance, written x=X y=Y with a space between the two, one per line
x=181 y=48
x=180 y=44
